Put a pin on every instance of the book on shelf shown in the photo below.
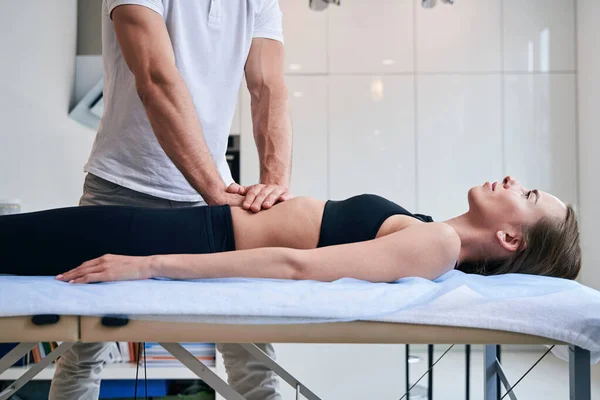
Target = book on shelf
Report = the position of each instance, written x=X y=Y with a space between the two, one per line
x=150 y=353
x=36 y=354
x=154 y=355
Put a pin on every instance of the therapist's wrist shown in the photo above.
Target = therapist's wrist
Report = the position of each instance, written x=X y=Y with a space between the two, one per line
x=217 y=196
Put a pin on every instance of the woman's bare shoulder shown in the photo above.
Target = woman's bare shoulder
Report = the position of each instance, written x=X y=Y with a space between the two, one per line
x=435 y=243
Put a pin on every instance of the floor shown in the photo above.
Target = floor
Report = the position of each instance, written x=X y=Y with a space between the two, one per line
x=376 y=372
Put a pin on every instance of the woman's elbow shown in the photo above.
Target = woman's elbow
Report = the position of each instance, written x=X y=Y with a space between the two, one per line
x=298 y=265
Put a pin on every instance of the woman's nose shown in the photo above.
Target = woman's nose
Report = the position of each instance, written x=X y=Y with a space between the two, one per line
x=508 y=181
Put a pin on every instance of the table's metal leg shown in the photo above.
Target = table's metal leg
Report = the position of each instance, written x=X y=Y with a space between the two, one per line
x=579 y=374
x=468 y=371
x=499 y=358
x=211 y=379
x=18 y=352
x=279 y=370
x=407 y=366
x=430 y=376
x=502 y=377
x=34 y=370
x=490 y=373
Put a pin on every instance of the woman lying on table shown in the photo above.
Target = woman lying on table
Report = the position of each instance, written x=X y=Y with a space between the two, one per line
x=507 y=229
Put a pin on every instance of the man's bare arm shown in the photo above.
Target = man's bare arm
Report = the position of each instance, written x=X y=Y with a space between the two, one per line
x=147 y=50
x=271 y=122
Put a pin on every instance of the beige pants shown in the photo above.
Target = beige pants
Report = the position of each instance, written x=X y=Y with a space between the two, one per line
x=77 y=374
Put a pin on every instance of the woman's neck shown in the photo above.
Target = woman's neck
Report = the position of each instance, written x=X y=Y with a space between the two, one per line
x=474 y=238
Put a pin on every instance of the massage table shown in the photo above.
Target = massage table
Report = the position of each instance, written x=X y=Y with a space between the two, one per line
x=456 y=308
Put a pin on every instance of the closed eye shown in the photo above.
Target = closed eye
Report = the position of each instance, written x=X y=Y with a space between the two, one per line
x=529 y=193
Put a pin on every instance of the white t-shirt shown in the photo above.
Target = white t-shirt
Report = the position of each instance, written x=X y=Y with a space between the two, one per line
x=211 y=40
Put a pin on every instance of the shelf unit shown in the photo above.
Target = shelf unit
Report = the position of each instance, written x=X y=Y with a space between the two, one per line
x=120 y=371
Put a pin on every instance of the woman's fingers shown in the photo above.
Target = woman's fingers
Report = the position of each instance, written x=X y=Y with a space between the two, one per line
x=90 y=278
x=76 y=274
x=108 y=268
x=66 y=276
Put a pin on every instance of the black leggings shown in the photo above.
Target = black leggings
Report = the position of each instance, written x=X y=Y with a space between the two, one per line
x=54 y=241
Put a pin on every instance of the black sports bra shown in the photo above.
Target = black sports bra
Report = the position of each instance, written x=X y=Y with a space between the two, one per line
x=358 y=219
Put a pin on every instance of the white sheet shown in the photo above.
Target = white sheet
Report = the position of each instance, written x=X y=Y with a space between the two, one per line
x=548 y=307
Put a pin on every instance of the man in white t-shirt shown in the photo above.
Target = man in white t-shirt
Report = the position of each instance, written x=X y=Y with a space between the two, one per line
x=172 y=71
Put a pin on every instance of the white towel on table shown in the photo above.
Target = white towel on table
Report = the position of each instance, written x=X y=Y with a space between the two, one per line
x=549 y=307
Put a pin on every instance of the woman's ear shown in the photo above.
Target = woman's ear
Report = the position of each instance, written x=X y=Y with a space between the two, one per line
x=508 y=240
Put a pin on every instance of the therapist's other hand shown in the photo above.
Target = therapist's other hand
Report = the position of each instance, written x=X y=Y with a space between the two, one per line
x=234 y=199
x=260 y=196
x=108 y=268
x=226 y=197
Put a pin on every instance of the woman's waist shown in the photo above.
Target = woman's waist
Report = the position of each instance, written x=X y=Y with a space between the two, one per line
x=294 y=223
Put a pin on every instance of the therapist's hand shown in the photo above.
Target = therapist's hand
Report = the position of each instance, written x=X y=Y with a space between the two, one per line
x=260 y=196
x=110 y=268
x=234 y=199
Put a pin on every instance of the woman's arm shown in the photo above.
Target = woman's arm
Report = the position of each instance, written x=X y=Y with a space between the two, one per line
x=423 y=250
x=420 y=250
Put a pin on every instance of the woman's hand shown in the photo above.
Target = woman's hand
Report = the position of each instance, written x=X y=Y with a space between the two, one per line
x=110 y=268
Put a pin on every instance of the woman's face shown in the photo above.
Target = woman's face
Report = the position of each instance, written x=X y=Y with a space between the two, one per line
x=507 y=204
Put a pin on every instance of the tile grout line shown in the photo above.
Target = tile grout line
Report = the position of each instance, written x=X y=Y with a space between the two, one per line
x=577 y=125
x=415 y=110
x=502 y=91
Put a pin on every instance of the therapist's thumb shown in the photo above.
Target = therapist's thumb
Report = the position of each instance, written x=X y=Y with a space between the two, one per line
x=236 y=188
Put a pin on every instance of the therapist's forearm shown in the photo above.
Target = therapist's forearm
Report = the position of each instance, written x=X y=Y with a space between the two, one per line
x=173 y=118
x=272 y=132
x=273 y=263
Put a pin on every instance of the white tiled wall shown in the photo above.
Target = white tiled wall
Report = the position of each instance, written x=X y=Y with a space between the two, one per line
x=588 y=95
x=539 y=35
x=408 y=102
x=540 y=131
x=308 y=105
x=355 y=47
x=42 y=150
x=305 y=38
x=465 y=37
x=383 y=134
x=308 y=101
x=459 y=139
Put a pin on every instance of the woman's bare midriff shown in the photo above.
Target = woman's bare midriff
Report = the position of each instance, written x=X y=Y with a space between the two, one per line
x=295 y=223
